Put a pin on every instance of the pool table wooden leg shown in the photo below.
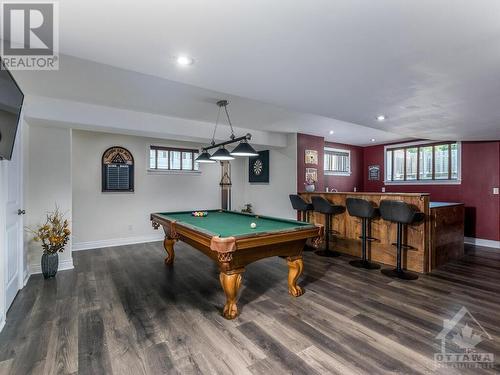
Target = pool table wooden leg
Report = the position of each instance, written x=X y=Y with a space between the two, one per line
x=231 y=283
x=295 y=267
x=168 y=244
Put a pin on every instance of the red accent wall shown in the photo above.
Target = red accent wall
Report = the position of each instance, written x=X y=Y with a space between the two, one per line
x=480 y=174
x=355 y=180
x=309 y=142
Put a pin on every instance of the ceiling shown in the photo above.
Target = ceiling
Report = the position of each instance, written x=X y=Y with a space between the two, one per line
x=89 y=82
x=431 y=66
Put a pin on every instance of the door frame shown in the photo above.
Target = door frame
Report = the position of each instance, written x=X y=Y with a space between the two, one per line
x=22 y=278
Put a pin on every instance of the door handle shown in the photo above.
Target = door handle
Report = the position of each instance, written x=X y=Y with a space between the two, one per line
x=21 y=212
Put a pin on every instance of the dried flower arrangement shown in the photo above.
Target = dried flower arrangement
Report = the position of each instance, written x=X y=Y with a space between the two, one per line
x=53 y=234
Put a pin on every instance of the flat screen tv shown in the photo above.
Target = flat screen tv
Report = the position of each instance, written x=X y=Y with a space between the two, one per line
x=11 y=101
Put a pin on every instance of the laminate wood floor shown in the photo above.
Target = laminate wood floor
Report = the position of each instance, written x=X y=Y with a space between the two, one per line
x=121 y=311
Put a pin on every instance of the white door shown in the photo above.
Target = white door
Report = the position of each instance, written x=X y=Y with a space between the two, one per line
x=14 y=224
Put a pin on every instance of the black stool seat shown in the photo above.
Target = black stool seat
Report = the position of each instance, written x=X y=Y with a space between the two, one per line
x=403 y=214
x=322 y=206
x=300 y=204
x=400 y=212
x=366 y=211
x=361 y=208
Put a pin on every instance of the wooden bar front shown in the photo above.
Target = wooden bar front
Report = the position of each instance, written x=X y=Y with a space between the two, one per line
x=446 y=232
x=424 y=254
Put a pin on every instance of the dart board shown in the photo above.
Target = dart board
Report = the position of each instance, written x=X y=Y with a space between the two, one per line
x=258 y=167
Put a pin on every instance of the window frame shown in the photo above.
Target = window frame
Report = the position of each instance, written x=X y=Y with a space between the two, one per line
x=334 y=173
x=418 y=145
x=194 y=152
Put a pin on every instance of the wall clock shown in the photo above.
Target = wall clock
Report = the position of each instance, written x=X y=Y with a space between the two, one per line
x=258 y=168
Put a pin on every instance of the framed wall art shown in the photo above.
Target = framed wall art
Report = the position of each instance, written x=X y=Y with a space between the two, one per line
x=258 y=168
x=311 y=174
x=117 y=170
x=374 y=172
x=311 y=157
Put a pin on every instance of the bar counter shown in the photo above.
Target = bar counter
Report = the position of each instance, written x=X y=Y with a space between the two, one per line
x=435 y=241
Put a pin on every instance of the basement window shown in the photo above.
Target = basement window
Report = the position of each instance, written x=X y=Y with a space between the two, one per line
x=337 y=162
x=422 y=163
x=171 y=159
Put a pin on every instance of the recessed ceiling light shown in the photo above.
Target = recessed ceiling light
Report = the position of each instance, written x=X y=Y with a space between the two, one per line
x=372 y=140
x=331 y=132
x=380 y=118
x=185 y=60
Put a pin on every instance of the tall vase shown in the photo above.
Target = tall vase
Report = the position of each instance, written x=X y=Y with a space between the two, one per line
x=50 y=263
x=310 y=188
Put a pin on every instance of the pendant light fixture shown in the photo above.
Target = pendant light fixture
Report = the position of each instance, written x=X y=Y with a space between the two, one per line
x=222 y=154
x=204 y=157
x=244 y=149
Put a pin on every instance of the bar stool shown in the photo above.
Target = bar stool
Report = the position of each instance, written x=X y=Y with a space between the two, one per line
x=322 y=206
x=301 y=206
x=403 y=214
x=366 y=212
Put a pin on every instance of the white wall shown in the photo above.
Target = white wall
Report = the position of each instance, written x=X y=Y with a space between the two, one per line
x=48 y=183
x=91 y=117
x=270 y=199
x=104 y=219
x=101 y=219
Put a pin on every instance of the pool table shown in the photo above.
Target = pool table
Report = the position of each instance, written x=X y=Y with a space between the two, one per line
x=228 y=238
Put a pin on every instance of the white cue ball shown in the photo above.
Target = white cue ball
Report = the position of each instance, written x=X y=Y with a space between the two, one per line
x=253 y=225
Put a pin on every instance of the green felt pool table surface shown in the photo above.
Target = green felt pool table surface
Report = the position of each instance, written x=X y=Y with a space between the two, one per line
x=234 y=224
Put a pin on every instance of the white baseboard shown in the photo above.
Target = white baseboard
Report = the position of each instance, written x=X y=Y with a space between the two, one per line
x=26 y=278
x=482 y=242
x=63 y=265
x=117 y=242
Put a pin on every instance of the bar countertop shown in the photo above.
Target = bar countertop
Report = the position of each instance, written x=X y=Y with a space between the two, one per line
x=364 y=193
x=434 y=241
x=443 y=204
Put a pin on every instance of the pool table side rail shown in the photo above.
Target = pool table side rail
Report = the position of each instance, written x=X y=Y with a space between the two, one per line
x=288 y=221
x=169 y=220
x=176 y=229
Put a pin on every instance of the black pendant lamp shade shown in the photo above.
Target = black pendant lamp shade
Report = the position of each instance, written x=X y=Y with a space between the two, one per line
x=222 y=154
x=244 y=149
x=204 y=157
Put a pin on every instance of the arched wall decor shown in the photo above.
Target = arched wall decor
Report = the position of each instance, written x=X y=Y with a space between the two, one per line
x=117 y=170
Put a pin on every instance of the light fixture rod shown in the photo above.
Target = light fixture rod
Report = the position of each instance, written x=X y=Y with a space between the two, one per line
x=216 y=123
x=229 y=121
x=247 y=137
x=224 y=103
